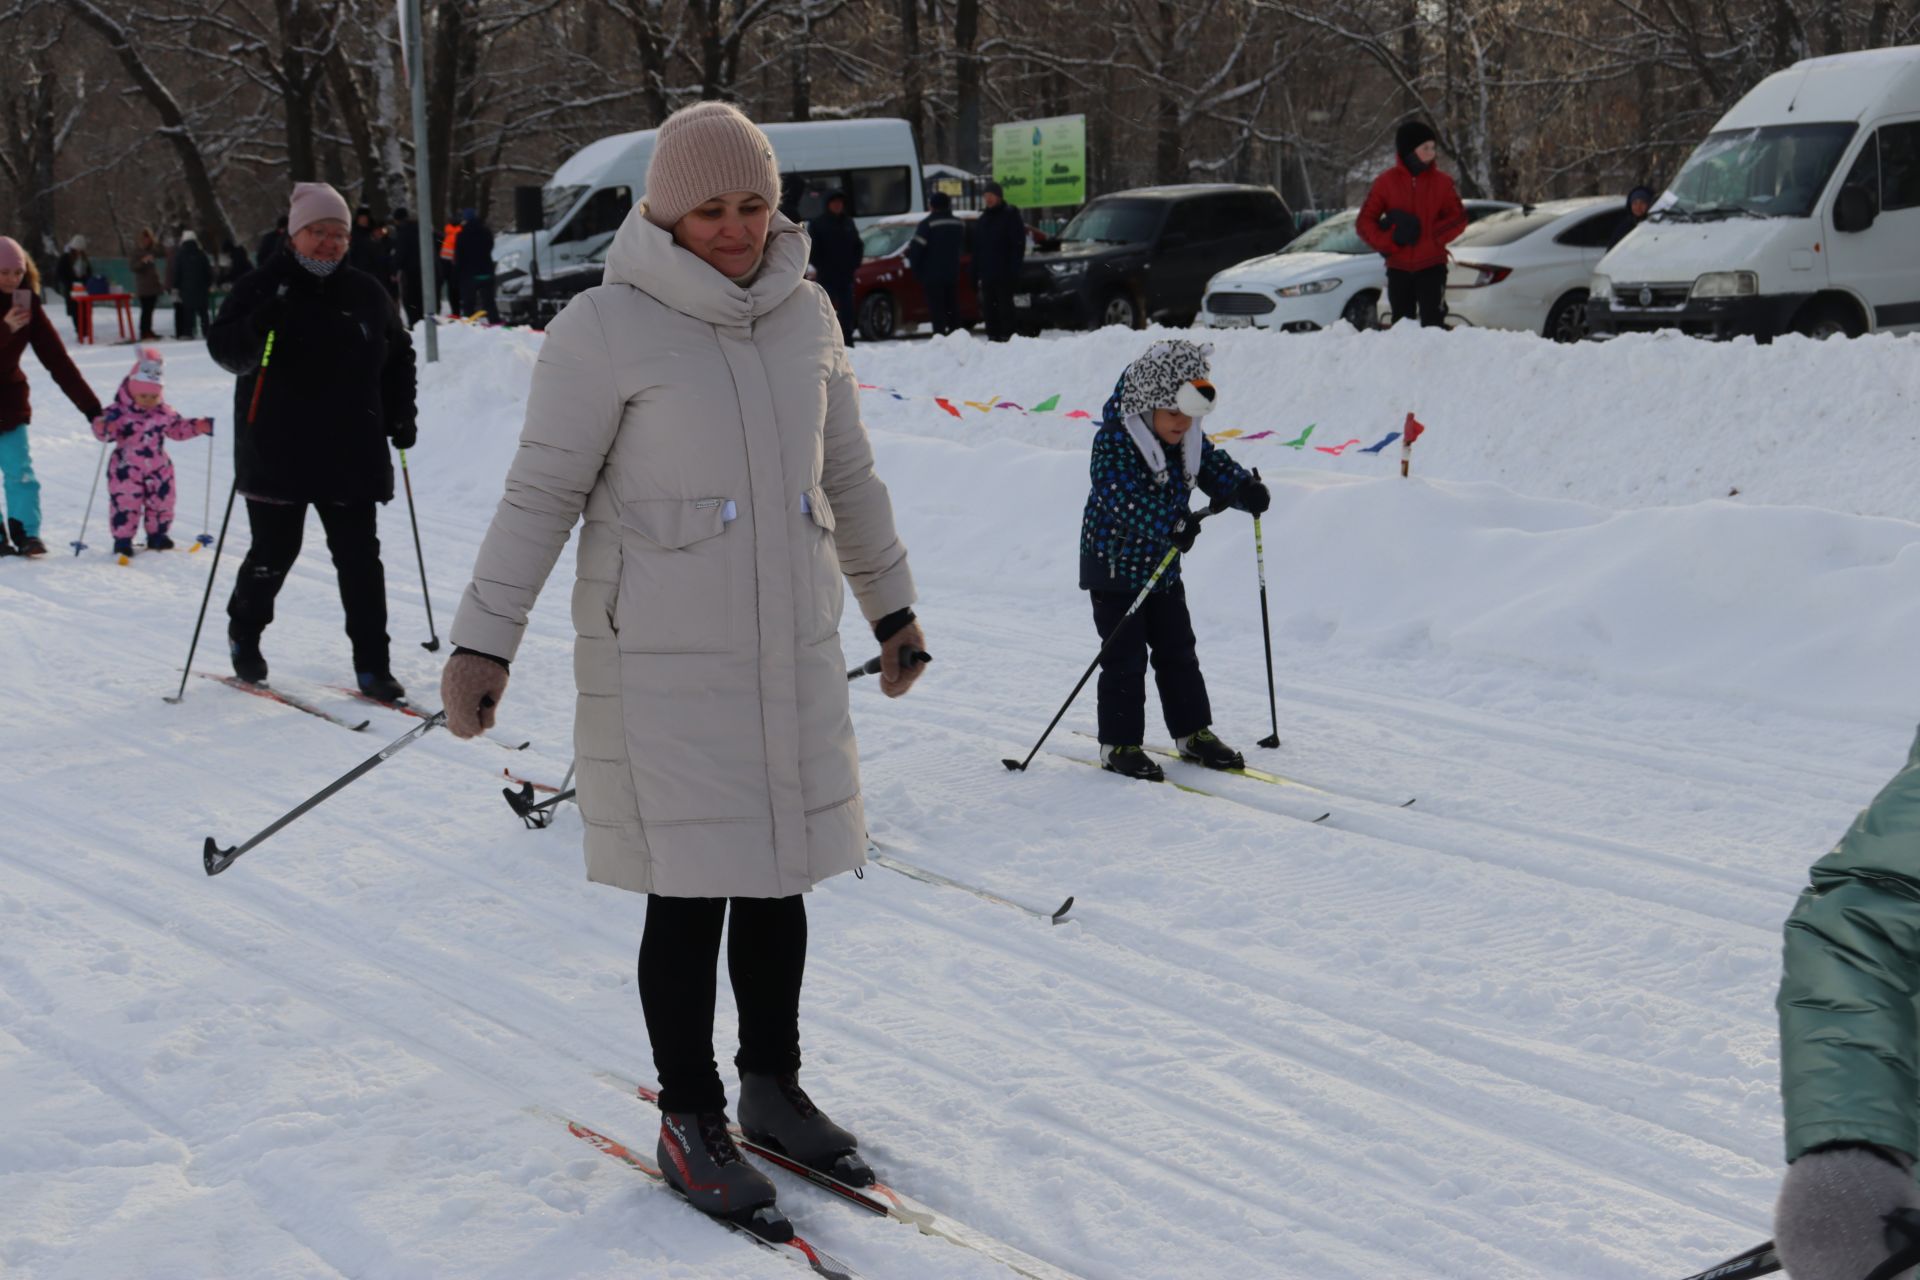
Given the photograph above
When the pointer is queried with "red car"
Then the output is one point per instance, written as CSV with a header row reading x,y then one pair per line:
x,y
886,297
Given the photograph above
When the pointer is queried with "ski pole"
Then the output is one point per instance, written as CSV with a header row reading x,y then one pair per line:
x,y
1761,1260
200,621
216,859
206,512
430,645
536,816
1191,520
871,667
79,544
1272,740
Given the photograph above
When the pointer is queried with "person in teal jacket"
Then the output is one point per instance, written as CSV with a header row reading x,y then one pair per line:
x,y
1850,1049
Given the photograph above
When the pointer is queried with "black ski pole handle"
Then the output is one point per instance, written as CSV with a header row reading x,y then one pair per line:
x,y
871,667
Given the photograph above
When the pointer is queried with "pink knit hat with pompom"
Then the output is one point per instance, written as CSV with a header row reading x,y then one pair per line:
x,y
148,371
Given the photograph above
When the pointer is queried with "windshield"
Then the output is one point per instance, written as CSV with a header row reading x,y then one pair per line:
x,y
887,237
1115,222
1334,235
558,201
1775,172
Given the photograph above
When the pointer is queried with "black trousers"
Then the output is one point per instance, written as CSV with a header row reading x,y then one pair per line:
x,y
353,536
766,958
190,318
840,293
1422,293
1163,627
996,308
146,316
410,298
943,305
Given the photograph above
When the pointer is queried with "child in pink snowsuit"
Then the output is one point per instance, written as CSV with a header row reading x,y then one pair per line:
x,y
140,474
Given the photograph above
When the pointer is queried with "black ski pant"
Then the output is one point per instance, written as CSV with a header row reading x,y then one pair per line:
x,y
1422,293
840,292
679,953
943,304
353,536
190,318
146,316
1162,627
996,307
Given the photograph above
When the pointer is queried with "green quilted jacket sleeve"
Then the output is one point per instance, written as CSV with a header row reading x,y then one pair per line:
x,y
1849,1038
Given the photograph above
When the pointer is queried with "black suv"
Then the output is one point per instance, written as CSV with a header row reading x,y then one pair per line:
x,y
1143,255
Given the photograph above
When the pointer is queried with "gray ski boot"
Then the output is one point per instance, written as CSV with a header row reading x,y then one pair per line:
x,y
697,1155
776,1113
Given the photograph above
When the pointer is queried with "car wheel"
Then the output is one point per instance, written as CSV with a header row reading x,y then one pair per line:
x,y
1363,310
878,317
1567,322
1120,309
1825,320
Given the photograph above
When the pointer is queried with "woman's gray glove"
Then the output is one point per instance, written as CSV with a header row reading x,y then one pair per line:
x,y
471,686
1830,1223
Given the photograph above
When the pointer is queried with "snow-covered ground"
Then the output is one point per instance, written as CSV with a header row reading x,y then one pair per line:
x,y
1523,1028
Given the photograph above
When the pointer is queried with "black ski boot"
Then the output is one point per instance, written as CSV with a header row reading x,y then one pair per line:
x,y
777,1113
1203,748
159,542
249,664
1131,762
6,546
697,1155
381,687
25,544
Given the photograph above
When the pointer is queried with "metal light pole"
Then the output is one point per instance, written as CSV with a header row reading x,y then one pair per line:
x,y
422,175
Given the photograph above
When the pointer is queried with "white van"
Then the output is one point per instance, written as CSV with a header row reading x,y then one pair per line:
x,y
1799,213
873,161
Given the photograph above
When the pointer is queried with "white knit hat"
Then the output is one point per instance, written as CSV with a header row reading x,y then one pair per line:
x,y
315,202
703,151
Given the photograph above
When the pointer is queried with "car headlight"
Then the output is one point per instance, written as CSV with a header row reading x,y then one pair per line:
x,y
1308,289
1600,289
1726,284
1065,270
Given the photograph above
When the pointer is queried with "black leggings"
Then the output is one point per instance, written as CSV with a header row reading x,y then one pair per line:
x,y
766,958
1422,293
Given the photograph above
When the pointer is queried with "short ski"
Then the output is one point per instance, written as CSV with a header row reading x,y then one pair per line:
x,y
814,1259
1258,775
546,787
284,699
408,709
1761,1260
1196,791
880,857
884,1200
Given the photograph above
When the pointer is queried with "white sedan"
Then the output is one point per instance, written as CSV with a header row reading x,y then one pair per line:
x,y
1328,273
1529,268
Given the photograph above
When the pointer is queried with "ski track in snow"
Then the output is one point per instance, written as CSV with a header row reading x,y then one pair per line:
x,y
1521,1028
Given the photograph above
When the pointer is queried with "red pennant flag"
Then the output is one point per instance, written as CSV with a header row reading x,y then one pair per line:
x,y
956,413
1335,449
1412,430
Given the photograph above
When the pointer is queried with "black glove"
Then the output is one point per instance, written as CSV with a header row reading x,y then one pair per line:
x,y
1184,533
403,434
266,317
1406,226
1253,498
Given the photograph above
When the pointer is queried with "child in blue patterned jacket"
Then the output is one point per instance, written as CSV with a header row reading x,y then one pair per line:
x,y
1148,456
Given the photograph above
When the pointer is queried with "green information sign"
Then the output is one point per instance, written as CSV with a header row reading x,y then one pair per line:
x,y
1042,163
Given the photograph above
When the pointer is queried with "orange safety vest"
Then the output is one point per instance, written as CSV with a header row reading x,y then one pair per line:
x,y
446,245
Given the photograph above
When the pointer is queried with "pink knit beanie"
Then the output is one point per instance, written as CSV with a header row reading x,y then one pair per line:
x,y
12,256
703,151
148,371
315,202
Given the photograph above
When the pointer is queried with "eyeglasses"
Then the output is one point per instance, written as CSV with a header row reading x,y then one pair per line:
x,y
324,237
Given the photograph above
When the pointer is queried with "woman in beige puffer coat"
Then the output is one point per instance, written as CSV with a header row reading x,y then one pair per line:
x,y
699,411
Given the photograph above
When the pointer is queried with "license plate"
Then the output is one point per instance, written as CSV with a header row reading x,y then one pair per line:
x,y
1022,299
1233,322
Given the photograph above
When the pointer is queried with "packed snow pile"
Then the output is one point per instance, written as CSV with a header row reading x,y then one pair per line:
x,y
1521,1027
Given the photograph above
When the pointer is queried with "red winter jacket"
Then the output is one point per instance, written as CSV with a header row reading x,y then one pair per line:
x,y
1429,197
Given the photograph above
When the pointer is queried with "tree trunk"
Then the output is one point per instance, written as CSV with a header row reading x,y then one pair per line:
x,y
800,72
911,69
443,86
1169,164
966,83
345,93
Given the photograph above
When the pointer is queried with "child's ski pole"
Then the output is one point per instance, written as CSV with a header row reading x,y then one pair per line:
x,y
206,512
79,544
1189,521
1272,740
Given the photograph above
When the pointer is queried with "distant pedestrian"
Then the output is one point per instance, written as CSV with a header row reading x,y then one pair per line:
x,y
271,243
236,262
999,249
1410,216
72,272
473,264
1639,204
449,284
190,276
406,264
836,256
934,258
25,324
146,279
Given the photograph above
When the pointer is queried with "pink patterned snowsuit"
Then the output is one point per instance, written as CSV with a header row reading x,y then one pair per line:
x,y
140,475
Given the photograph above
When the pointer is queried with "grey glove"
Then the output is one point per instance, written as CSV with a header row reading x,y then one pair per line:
x,y
1830,1222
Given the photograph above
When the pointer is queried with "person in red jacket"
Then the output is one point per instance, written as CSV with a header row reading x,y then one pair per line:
x,y
1411,214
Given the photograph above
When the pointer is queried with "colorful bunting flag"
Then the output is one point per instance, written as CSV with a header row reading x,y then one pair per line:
x,y
1301,441
1391,436
1048,405
1335,449
1079,413
947,406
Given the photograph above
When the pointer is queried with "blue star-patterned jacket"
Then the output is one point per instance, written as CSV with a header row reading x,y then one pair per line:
x,y
1130,516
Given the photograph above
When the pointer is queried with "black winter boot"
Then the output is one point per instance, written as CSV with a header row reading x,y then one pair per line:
x,y
249,663
697,1155
381,687
159,542
1201,747
1131,762
776,1112
23,542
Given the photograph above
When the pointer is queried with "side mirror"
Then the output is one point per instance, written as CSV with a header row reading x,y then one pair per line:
x,y
1854,209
